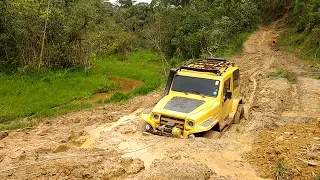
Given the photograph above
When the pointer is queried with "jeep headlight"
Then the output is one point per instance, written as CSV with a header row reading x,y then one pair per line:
x,y
191,123
156,117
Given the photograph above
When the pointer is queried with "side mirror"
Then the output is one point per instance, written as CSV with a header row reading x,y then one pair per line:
x,y
228,94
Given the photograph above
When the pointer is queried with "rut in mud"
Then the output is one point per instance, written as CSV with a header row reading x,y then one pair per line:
x,y
103,143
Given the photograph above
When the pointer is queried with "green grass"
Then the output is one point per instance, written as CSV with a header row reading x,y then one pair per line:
x,y
281,73
304,45
27,98
317,177
282,172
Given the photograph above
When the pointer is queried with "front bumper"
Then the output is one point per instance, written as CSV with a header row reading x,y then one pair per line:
x,y
169,133
174,131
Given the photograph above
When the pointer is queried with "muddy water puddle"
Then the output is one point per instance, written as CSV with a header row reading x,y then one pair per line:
x,y
126,85
134,150
131,148
96,133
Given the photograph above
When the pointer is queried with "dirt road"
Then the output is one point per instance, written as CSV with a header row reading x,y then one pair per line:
x,y
102,143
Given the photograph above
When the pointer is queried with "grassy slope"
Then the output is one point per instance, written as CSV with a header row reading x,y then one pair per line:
x,y
47,94
302,44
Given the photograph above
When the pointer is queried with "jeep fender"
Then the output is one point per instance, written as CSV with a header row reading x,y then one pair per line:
x,y
238,100
146,118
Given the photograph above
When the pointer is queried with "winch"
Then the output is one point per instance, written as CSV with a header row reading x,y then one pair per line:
x,y
168,129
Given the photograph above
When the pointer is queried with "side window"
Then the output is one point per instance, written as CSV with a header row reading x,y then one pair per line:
x,y
236,79
226,86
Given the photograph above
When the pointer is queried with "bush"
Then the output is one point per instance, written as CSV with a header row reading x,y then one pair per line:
x,y
281,73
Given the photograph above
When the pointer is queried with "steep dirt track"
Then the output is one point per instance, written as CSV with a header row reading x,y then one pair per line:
x,y
103,143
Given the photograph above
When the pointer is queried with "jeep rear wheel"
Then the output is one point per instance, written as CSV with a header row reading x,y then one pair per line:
x,y
212,134
239,114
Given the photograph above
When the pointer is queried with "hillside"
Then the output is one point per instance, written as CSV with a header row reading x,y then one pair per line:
x,y
76,75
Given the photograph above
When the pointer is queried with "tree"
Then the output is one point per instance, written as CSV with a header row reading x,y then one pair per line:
x,y
125,3
180,3
68,32
67,41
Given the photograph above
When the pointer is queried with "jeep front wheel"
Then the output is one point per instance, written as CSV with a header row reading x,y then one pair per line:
x,y
141,128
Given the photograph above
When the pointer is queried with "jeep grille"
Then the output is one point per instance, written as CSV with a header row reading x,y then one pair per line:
x,y
178,122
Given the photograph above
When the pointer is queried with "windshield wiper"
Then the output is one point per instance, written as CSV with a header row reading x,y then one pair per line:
x,y
197,92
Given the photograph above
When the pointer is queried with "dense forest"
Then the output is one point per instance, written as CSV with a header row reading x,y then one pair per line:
x,y
67,33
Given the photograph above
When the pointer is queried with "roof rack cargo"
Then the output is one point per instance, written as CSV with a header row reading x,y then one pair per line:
x,y
216,59
214,65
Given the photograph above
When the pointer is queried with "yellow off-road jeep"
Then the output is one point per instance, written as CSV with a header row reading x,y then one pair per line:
x,y
201,99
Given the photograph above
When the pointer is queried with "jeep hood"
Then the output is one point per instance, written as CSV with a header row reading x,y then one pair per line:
x,y
182,105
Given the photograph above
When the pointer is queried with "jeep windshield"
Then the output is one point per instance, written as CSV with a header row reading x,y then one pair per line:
x,y
194,85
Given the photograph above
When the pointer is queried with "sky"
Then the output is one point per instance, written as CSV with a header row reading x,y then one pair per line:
x,y
138,1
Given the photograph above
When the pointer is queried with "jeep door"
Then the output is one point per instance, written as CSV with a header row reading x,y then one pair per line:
x,y
225,101
235,84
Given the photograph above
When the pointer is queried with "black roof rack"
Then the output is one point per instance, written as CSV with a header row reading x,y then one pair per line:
x,y
214,65
216,59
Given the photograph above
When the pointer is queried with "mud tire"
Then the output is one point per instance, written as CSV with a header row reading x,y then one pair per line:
x,y
212,134
141,126
239,114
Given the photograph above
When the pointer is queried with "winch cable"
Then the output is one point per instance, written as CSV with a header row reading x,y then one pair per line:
x,y
146,151
136,150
